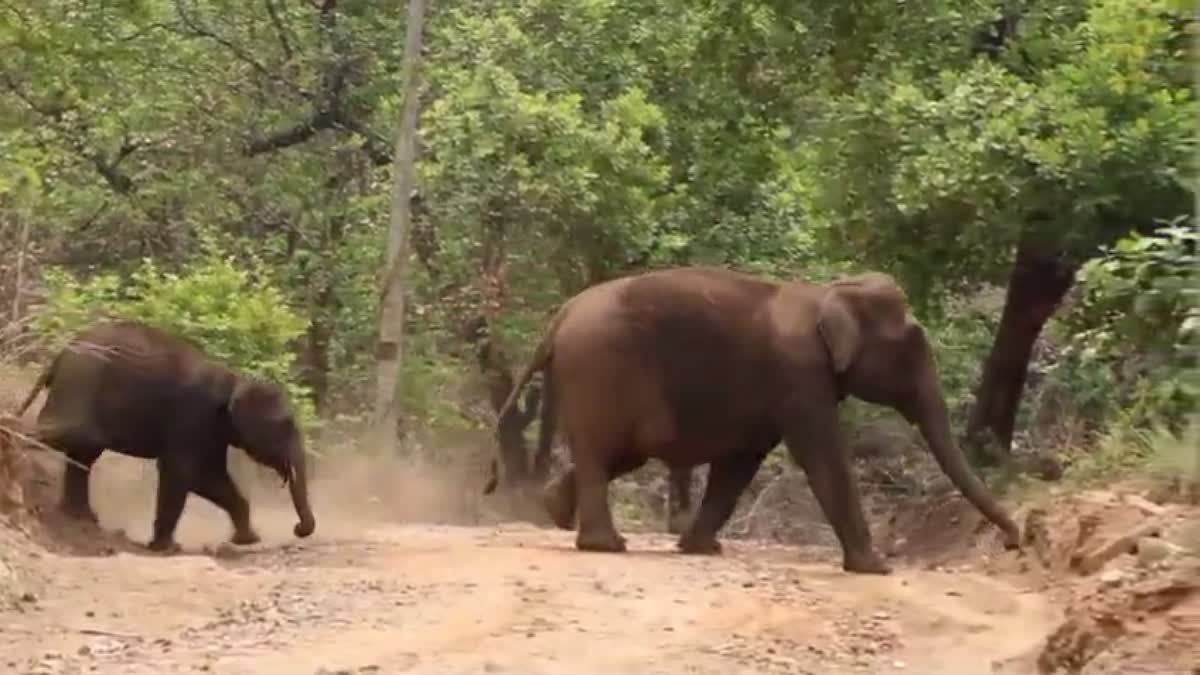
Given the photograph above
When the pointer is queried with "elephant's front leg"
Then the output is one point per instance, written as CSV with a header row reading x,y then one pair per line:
x,y
173,483
816,444
727,479
216,485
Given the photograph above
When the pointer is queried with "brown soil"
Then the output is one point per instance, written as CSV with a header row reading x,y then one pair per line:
x,y
406,574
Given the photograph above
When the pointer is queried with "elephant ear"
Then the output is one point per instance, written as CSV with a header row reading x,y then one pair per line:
x,y
252,406
839,329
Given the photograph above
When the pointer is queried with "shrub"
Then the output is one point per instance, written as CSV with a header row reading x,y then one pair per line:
x,y
1132,335
235,316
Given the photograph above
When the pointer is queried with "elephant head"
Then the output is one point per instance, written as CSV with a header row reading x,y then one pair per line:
x,y
263,426
880,354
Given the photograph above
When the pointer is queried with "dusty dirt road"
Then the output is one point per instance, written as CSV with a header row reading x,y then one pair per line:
x,y
507,599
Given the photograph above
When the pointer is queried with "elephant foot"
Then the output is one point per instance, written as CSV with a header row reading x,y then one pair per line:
x,y
603,542
699,545
167,546
245,538
866,563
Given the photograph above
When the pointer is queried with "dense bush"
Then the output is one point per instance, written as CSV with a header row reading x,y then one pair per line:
x,y
1132,335
235,316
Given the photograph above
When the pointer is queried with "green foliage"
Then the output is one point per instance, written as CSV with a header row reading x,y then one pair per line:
x,y
1135,328
961,336
1172,456
563,143
235,317
933,174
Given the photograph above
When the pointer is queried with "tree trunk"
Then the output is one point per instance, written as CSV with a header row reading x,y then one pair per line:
x,y
498,379
314,355
388,350
1037,284
315,362
19,280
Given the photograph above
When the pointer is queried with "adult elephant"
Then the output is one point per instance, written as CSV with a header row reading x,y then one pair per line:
x,y
133,388
702,365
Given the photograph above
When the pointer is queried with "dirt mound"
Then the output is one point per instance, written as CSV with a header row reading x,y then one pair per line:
x,y
1135,621
14,467
1127,571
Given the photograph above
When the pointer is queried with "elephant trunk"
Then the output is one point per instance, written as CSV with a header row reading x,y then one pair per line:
x,y
298,486
933,420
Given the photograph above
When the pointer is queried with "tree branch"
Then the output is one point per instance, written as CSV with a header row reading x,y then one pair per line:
x,y
200,30
374,145
280,31
293,135
55,112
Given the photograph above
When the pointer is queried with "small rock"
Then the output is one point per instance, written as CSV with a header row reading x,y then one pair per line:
x,y
898,665
1151,550
1112,577
1146,506
1092,560
28,597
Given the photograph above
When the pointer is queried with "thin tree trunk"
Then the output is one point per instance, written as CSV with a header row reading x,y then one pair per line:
x,y
1037,284
314,355
389,348
22,244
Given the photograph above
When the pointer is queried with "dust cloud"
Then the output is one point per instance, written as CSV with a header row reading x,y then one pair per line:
x,y
350,492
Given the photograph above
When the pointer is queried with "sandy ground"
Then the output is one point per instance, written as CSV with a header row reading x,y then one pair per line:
x,y
382,587
510,599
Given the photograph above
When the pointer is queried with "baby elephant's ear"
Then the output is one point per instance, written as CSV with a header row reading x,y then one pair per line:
x,y
839,329
252,405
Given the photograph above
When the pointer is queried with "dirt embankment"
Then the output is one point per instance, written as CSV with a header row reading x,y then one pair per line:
x,y
1104,585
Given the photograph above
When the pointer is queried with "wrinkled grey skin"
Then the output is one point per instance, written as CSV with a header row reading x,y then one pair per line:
x,y
135,389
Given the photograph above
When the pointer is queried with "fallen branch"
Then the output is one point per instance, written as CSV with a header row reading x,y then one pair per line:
x,y
107,633
31,442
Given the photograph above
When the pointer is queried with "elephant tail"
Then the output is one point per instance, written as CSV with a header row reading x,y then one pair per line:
x,y
540,360
45,378
549,424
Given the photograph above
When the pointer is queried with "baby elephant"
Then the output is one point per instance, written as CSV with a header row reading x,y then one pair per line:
x,y
132,388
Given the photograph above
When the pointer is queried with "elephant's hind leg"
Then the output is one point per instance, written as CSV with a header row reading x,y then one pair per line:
x,y
679,499
597,532
216,485
76,497
173,485
727,479
560,498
